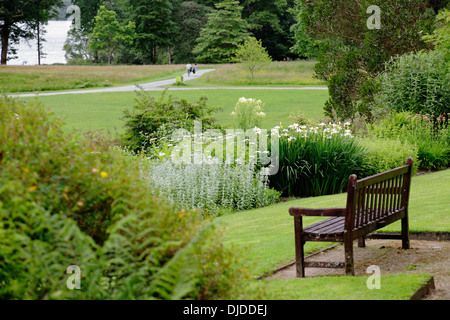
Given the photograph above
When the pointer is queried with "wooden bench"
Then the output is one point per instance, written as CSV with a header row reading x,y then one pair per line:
x,y
372,203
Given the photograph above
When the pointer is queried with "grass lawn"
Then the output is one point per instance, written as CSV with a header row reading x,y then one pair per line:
x,y
393,287
268,233
93,111
294,73
51,78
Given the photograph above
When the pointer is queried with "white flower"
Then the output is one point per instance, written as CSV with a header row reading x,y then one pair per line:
x,y
257,130
161,154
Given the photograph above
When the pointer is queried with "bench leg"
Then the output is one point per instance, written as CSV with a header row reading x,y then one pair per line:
x,y
405,233
349,264
362,242
299,253
300,262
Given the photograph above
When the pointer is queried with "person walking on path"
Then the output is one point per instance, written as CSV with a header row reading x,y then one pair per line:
x,y
188,69
194,71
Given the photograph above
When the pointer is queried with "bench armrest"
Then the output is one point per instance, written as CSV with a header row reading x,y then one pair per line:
x,y
329,212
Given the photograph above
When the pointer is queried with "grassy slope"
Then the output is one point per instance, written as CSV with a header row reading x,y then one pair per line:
x,y
50,78
298,73
268,232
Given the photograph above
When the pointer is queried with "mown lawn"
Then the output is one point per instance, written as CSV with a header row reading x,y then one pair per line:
x,y
92,111
393,287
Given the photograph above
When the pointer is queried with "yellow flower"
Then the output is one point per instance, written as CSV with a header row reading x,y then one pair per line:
x,y
103,174
32,188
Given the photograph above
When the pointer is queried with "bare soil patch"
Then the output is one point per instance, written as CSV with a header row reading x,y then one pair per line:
x,y
432,257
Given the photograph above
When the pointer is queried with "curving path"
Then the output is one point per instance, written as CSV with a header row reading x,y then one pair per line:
x,y
158,85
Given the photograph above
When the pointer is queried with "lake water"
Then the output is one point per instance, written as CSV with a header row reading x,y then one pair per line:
x,y
53,46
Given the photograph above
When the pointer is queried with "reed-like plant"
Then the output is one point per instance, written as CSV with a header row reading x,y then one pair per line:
x,y
315,160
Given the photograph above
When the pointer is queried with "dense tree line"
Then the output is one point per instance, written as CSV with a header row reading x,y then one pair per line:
x,y
165,31
176,31
209,31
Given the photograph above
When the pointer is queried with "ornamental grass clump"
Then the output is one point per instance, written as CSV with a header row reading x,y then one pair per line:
x,y
315,160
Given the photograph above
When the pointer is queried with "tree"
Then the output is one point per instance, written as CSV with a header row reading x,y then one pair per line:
x,y
270,21
304,46
108,34
358,54
76,46
191,18
252,55
88,9
18,20
224,31
441,36
155,26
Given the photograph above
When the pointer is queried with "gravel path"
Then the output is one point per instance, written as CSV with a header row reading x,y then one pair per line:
x,y
158,86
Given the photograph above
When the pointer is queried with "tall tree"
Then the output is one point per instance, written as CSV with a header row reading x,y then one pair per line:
x,y
155,26
224,31
191,18
270,21
358,53
88,9
108,34
18,20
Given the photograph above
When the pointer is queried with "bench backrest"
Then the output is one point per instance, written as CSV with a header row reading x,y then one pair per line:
x,y
374,198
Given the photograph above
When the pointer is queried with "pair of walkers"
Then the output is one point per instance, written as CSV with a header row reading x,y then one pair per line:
x,y
190,69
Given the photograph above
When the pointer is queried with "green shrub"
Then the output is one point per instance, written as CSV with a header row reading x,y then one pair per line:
x,y
416,83
431,136
63,203
315,161
150,120
383,154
